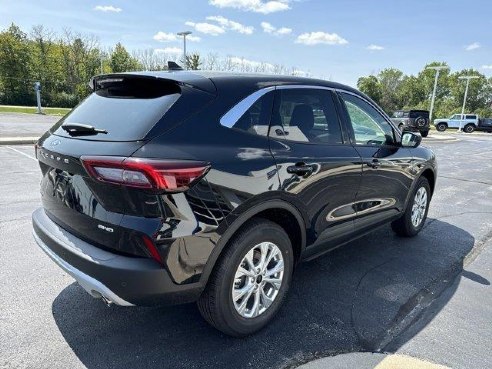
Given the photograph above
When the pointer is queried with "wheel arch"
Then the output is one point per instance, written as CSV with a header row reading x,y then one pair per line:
x,y
431,178
281,212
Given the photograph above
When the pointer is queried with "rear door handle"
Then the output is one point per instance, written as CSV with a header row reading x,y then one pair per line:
x,y
374,163
300,169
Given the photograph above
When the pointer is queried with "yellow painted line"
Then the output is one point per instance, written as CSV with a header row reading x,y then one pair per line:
x,y
406,362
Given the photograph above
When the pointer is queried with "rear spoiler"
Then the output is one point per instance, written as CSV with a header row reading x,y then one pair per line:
x,y
178,77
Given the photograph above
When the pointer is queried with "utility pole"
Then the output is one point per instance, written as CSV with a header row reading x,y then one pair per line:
x,y
467,78
37,88
184,34
438,70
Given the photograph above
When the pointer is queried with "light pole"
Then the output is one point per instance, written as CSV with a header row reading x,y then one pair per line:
x,y
438,70
467,78
184,34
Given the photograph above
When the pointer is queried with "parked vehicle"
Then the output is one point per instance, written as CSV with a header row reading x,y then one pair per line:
x,y
173,187
468,122
412,120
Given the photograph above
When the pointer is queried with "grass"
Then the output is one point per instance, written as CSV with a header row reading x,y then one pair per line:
x,y
32,110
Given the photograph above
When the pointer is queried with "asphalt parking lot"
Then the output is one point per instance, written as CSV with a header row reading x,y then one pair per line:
x,y
357,298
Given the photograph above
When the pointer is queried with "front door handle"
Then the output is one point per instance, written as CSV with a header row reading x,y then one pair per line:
x,y
374,163
300,169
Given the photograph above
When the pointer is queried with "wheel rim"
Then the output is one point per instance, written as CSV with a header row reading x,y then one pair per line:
x,y
258,280
419,206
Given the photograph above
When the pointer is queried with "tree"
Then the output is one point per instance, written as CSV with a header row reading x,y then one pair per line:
x,y
122,61
371,87
15,67
193,61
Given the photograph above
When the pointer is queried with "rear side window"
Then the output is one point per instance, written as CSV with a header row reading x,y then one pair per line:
x,y
471,117
127,108
256,118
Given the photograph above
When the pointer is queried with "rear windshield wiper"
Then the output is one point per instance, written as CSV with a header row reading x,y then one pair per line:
x,y
78,129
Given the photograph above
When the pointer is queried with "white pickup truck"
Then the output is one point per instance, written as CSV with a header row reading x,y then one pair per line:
x,y
467,122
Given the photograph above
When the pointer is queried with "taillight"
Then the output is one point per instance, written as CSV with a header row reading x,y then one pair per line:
x,y
164,175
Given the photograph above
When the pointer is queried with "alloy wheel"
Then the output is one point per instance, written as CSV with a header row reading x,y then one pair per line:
x,y
419,206
258,280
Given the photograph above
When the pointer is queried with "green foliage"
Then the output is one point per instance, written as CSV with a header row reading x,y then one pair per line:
x,y
371,86
15,67
394,91
122,61
193,61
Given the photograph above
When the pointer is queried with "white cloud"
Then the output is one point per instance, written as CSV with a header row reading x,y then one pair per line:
x,y
232,25
487,66
472,46
165,37
315,38
193,38
107,8
207,28
170,37
373,47
169,50
257,6
284,31
268,28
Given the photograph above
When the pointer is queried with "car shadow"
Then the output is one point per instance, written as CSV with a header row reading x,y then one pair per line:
x,y
345,301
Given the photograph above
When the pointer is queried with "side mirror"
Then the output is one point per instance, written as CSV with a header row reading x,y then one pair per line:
x,y
410,139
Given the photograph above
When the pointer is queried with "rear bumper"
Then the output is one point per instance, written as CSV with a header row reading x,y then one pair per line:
x,y
122,280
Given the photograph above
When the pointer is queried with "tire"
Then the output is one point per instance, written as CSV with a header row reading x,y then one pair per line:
x,y
405,226
441,127
424,133
216,304
469,128
400,127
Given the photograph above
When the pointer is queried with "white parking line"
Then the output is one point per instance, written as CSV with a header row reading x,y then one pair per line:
x,y
22,153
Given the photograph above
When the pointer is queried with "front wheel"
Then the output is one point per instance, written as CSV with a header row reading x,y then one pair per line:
x,y
413,219
424,133
250,280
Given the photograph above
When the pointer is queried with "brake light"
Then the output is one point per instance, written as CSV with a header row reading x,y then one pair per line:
x,y
164,175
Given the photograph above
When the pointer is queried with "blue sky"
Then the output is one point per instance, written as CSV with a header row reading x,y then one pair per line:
x,y
330,39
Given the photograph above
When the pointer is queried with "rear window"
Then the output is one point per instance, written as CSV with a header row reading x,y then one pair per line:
x,y
400,114
419,113
127,108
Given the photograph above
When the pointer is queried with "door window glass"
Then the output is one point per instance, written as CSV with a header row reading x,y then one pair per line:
x,y
369,126
305,115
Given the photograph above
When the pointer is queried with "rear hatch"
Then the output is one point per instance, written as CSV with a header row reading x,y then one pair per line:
x,y
420,118
90,185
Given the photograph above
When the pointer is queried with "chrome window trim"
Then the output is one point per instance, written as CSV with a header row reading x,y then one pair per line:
x,y
233,114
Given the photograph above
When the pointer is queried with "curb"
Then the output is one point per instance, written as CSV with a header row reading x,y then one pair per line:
x,y
18,140
365,360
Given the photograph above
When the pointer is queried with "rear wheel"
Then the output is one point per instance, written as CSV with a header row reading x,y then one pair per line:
x,y
400,127
250,280
441,127
413,219
424,133
469,128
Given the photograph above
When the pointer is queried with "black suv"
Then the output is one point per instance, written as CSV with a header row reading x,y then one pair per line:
x,y
173,187
412,120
